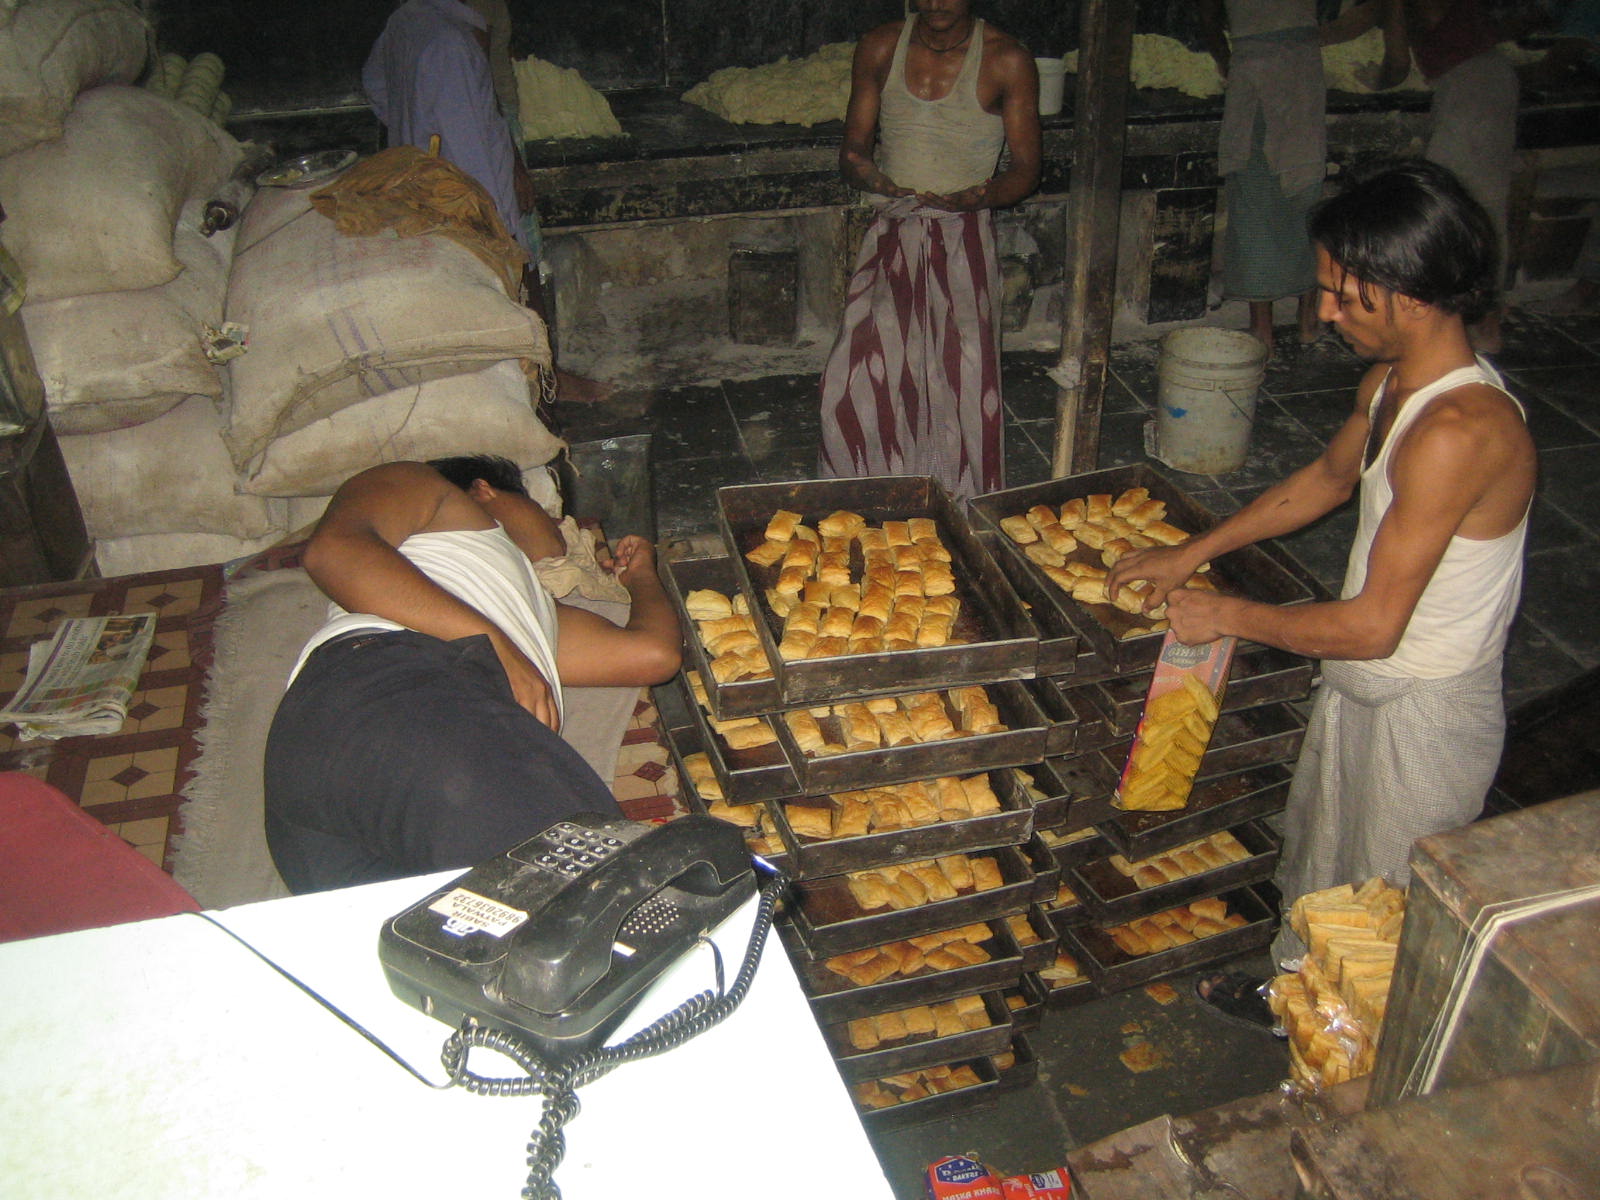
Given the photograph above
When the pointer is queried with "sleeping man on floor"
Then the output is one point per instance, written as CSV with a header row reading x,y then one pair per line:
x,y
421,728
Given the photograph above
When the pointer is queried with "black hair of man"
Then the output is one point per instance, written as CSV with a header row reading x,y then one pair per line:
x,y
1410,226
501,474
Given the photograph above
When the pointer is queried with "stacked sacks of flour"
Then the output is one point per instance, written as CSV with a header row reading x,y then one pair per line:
x,y
1333,1005
104,185
360,351
368,349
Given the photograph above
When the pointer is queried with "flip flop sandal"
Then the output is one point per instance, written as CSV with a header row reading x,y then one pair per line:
x,y
1236,997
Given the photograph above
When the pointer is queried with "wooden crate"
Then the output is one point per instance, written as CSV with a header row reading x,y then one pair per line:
x,y
1534,1002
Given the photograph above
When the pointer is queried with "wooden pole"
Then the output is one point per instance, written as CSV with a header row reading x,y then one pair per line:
x,y
1105,52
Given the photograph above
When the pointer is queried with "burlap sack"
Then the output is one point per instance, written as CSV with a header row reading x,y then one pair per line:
x,y
95,210
335,321
166,551
50,50
114,359
169,475
483,411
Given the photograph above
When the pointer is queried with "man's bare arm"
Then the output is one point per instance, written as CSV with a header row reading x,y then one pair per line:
x,y
868,69
592,652
1440,475
353,557
1293,503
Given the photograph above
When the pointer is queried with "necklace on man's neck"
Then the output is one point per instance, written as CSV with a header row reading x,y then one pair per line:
x,y
920,39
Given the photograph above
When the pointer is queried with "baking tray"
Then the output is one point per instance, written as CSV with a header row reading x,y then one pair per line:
x,y
763,773
1249,571
1050,807
910,1055
1249,738
1112,898
828,920
1001,640
1046,871
933,1108
1114,971
1061,718
1030,1013
1216,803
1042,951
1018,745
1259,675
1067,995
1070,855
1089,781
1024,1069
740,698
835,998
1010,825
693,802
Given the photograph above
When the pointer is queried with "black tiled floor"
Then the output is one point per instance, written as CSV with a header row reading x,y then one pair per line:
x,y
766,429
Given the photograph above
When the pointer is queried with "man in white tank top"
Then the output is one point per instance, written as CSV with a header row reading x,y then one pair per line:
x,y
420,731
1409,722
912,386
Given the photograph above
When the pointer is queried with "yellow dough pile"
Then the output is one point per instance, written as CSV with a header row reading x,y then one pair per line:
x,y
555,102
802,91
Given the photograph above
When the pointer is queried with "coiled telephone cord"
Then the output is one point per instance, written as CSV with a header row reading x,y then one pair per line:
x,y
558,1082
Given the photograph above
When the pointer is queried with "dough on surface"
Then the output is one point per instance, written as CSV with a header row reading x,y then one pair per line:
x,y
555,102
803,91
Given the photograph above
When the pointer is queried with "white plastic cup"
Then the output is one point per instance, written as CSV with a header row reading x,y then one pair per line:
x,y
1052,84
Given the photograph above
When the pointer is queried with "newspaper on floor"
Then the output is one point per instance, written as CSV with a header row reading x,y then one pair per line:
x,y
80,681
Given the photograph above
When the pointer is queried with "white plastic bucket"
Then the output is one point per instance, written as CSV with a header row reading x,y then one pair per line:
x,y
1206,399
1052,83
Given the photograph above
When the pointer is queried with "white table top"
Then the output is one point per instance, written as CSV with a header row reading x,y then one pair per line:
x,y
162,1058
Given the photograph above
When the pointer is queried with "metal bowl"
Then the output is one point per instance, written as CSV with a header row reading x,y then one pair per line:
x,y
306,171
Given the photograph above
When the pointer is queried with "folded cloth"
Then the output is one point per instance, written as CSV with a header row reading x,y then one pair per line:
x,y
579,570
413,192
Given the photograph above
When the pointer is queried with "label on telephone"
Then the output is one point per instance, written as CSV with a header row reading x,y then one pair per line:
x,y
467,912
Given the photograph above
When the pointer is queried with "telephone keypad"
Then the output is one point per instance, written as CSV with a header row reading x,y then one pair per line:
x,y
573,850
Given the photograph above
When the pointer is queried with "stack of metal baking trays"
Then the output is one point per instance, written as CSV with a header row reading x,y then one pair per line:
x,y
1093,675
774,790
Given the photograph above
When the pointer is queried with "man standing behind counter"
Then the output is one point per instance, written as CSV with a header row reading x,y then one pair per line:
x,y
912,386
1409,723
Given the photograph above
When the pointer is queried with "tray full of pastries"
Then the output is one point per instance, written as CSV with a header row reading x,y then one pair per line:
x,y
1180,938
839,913
909,1098
884,739
702,792
921,1035
930,967
869,827
745,754
1065,534
866,586
1258,675
1215,802
722,644
1116,888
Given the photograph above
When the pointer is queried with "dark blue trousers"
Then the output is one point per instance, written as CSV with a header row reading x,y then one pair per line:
x,y
396,754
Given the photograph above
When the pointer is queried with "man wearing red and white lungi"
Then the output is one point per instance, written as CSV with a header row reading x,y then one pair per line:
x,y
912,386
